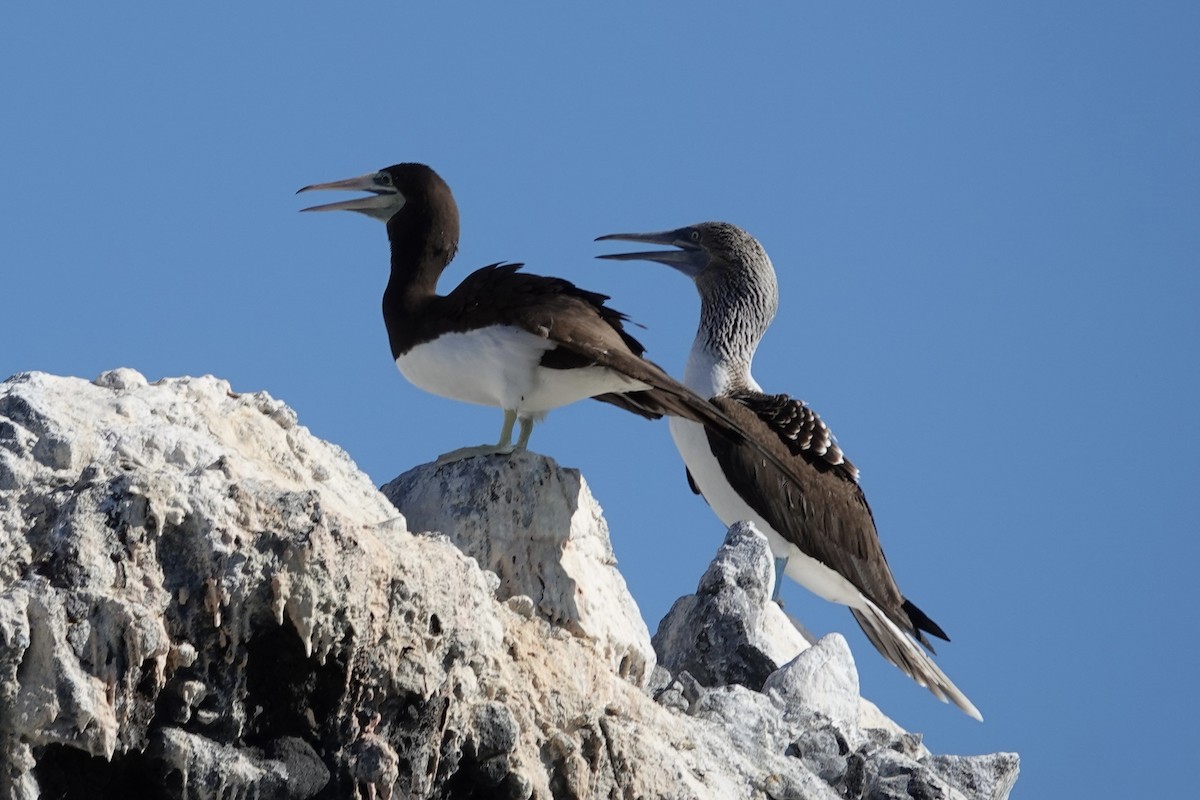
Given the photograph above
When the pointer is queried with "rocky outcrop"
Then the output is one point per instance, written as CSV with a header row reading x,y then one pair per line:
x,y
737,662
200,599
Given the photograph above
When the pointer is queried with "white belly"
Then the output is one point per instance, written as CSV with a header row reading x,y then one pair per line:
x,y
692,442
498,366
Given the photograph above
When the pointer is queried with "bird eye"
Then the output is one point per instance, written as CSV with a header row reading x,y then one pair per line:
x,y
695,235
383,179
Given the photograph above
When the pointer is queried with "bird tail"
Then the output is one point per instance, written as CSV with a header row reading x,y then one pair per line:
x,y
665,396
640,403
922,624
674,400
900,649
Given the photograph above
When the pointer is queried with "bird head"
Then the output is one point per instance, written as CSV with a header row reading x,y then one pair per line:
x,y
413,201
390,190
732,273
708,252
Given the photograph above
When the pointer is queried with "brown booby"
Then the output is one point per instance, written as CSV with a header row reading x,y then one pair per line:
x,y
504,338
815,513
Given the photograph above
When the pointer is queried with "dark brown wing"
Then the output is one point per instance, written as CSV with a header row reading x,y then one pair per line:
x,y
817,504
500,294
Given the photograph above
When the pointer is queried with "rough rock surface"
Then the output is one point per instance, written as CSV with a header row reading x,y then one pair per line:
x,y
722,641
544,536
728,632
200,599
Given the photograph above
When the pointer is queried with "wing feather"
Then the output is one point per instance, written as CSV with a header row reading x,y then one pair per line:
x,y
817,505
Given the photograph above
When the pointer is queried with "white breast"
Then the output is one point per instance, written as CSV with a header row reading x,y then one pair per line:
x,y
498,366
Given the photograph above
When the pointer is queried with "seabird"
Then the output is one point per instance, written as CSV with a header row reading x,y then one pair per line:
x,y
815,515
504,338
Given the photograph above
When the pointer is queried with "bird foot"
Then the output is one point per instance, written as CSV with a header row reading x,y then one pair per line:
x,y
471,452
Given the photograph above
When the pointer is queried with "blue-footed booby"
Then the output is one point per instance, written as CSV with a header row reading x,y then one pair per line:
x,y
814,513
504,338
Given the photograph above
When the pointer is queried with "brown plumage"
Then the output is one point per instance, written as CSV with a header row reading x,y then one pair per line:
x,y
825,514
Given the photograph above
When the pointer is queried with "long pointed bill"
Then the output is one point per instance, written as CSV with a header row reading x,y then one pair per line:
x,y
690,259
382,203
372,205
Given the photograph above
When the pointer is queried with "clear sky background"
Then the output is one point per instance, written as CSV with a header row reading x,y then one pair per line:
x,y
986,224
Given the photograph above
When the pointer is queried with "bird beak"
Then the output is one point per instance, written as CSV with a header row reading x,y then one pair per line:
x,y
382,203
690,258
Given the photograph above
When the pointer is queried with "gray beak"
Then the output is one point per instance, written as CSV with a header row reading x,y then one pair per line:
x,y
383,202
690,258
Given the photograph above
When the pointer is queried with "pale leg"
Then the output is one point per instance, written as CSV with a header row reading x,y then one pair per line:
x,y
502,447
780,567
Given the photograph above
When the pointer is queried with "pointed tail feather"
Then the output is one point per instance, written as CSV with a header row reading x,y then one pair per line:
x,y
922,624
668,397
679,401
640,403
900,649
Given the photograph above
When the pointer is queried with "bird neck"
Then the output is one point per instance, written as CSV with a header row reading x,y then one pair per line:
x,y
734,315
422,245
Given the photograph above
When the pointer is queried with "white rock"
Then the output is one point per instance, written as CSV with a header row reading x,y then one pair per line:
x,y
821,680
989,777
545,537
781,636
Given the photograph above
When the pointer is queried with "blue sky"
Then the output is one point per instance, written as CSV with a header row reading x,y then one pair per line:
x,y
985,223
